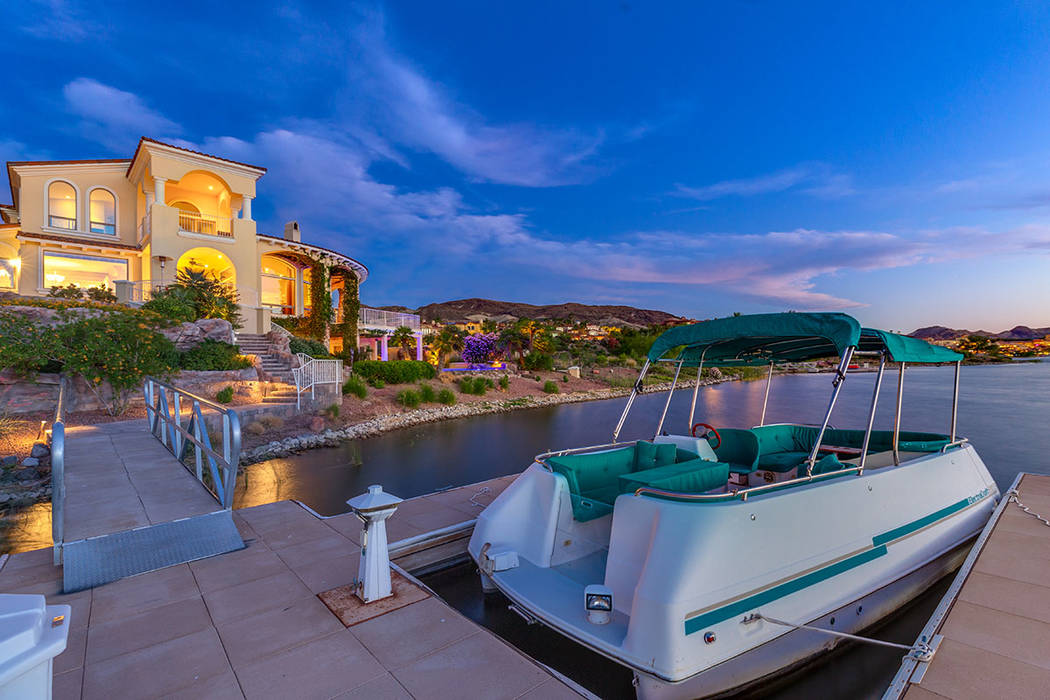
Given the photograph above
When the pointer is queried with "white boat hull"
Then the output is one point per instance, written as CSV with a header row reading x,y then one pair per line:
x,y
684,575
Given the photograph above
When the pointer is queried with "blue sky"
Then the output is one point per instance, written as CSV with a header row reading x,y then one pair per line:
x,y
890,160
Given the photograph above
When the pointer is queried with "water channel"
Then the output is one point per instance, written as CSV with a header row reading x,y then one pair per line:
x,y
1003,410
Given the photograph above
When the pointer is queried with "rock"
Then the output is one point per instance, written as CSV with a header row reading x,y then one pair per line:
x,y
30,462
40,450
216,329
27,474
186,335
8,461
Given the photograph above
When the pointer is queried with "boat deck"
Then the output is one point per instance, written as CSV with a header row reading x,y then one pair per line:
x,y
995,619
250,623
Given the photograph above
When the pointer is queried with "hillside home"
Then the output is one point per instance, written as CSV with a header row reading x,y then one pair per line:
x,y
131,224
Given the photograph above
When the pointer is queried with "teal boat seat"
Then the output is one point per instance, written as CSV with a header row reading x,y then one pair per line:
x,y
694,476
782,447
593,477
739,449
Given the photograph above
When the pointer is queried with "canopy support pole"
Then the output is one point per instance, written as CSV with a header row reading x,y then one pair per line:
x,y
630,400
696,390
765,401
840,376
897,416
871,415
667,405
955,400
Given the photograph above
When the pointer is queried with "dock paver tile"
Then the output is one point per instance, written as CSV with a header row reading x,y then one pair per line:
x,y
553,689
384,687
247,533
330,545
233,568
1010,559
157,670
322,668
962,671
409,633
477,666
73,657
1013,520
322,575
28,575
161,624
221,687
1037,545
137,594
273,512
1034,485
278,534
27,560
250,638
66,686
349,526
397,530
79,602
1016,637
1008,595
916,692
256,596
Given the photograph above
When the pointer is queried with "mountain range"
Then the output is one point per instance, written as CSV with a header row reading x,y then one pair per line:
x,y
945,333
508,311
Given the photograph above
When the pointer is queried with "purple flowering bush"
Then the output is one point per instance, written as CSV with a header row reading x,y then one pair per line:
x,y
479,349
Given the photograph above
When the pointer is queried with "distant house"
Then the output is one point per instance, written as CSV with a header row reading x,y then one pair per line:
x,y
470,327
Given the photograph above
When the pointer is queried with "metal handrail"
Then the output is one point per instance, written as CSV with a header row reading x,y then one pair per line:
x,y
57,444
954,443
313,371
380,319
742,493
193,222
164,416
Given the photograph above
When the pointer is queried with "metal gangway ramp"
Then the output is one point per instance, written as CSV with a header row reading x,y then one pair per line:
x,y
124,504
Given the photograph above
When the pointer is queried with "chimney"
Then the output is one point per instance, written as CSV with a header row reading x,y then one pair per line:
x,y
291,231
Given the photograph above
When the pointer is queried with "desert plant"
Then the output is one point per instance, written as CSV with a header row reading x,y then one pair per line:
x,y
538,361
565,379
395,371
446,397
224,395
332,412
175,303
476,386
403,339
211,297
355,386
426,393
504,382
408,398
272,422
448,341
214,355
550,387
70,291
102,294
255,428
377,383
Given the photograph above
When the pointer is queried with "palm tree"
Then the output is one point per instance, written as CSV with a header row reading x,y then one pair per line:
x,y
448,341
512,341
403,339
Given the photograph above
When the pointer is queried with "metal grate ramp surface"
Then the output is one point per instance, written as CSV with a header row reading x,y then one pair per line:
x,y
106,558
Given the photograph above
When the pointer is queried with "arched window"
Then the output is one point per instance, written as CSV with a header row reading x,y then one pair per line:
x,y
102,213
62,206
278,285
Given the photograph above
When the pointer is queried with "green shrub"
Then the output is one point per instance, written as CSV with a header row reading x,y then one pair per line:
x,y
214,355
313,348
70,291
175,303
550,387
255,428
446,397
395,371
332,411
377,383
102,294
355,386
476,386
408,398
538,360
565,378
504,382
225,395
426,393
272,422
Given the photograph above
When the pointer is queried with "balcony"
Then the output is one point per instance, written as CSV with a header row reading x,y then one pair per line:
x,y
379,320
192,222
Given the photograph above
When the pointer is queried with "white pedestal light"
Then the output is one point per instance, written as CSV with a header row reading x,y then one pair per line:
x,y
373,573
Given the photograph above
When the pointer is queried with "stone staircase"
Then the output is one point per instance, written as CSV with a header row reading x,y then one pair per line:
x,y
279,369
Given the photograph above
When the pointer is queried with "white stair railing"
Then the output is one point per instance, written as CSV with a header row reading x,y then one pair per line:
x,y
313,371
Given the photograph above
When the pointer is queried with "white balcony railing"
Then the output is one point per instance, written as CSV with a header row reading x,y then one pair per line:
x,y
379,320
192,222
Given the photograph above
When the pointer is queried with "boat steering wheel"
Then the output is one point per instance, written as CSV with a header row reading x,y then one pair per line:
x,y
707,434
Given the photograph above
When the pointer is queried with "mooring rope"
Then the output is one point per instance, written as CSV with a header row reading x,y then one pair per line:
x,y
920,651
1015,496
481,492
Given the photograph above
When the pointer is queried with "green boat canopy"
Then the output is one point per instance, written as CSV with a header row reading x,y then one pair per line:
x,y
759,339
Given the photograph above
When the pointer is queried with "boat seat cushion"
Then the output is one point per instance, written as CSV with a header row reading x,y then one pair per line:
x,y
694,476
648,455
739,448
782,461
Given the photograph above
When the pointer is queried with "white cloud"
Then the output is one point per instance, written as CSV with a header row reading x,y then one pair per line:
x,y
815,179
113,117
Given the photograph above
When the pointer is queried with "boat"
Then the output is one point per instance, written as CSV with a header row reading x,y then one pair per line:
x,y
712,560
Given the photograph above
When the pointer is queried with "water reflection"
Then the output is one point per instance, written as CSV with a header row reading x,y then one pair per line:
x,y
29,528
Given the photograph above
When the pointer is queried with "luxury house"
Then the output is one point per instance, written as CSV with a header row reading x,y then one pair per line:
x,y
131,224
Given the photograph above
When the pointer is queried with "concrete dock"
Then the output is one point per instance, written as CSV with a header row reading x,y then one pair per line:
x,y
995,618
250,624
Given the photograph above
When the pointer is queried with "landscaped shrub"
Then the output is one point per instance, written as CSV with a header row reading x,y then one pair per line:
x,y
377,383
272,422
408,398
207,294
480,348
550,387
426,393
538,360
395,371
313,348
446,397
565,379
102,294
214,355
504,382
225,395
476,386
70,291
255,428
332,411
355,386
175,303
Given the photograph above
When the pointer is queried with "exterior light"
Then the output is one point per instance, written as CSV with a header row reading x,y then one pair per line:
x,y
598,601
211,187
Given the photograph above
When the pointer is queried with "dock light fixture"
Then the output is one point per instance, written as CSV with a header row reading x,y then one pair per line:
x,y
597,599
373,572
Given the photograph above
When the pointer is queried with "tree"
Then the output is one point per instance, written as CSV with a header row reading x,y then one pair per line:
x,y
200,291
512,341
403,339
446,342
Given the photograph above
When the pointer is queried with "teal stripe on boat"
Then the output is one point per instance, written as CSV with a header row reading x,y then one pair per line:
x,y
914,525
741,606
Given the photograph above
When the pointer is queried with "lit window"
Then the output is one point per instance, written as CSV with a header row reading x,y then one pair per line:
x,y
278,285
7,274
308,299
84,271
62,206
103,212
